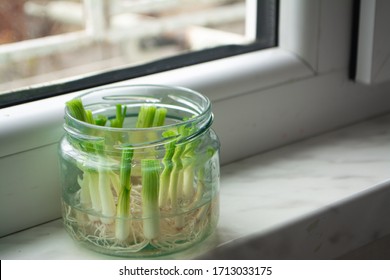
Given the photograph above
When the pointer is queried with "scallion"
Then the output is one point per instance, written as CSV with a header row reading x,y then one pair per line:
x,y
168,166
123,225
120,116
150,208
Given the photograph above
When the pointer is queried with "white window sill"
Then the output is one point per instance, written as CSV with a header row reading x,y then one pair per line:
x,y
319,198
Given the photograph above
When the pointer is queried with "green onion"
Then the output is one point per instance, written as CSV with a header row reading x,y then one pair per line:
x,y
101,196
151,116
150,187
76,109
95,197
89,117
159,117
120,116
189,159
86,196
101,120
176,178
175,184
122,226
106,195
89,193
168,166
146,116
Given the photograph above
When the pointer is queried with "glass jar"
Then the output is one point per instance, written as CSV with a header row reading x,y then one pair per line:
x,y
141,179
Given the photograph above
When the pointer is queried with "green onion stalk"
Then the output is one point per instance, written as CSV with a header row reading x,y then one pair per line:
x,y
96,183
150,188
176,186
89,195
169,135
108,209
86,200
120,116
189,160
148,116
123,225
177,178
106,195
85,196
176,183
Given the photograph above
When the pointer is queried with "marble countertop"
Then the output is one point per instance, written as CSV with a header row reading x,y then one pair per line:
x,y
318,198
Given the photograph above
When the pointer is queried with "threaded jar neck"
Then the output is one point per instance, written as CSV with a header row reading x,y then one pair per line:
x,y
184,107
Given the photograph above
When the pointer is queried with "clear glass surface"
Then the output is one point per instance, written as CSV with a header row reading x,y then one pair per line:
x,y
141,192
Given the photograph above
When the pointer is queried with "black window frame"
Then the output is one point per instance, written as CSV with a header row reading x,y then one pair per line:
x,y
267,20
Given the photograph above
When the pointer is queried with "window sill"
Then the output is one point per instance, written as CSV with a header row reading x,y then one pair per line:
x,y
315,199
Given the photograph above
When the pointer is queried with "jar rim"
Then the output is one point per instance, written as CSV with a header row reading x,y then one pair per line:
x,y
186,108
205,114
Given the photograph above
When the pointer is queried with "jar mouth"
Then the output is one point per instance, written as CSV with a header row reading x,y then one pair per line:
x,y
185,107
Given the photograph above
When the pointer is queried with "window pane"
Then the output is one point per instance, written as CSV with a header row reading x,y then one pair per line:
x,y
43,41
24,20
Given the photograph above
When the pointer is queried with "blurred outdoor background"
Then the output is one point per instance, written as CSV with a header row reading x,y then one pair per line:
x,y
46,40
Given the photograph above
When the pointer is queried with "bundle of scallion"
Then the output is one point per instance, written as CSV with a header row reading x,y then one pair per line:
x,y
170,184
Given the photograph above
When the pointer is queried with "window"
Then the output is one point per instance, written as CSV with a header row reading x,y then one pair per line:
x,y
77,44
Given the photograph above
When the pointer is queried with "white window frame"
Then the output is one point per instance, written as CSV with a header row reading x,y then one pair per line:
x,y
261,100
373,50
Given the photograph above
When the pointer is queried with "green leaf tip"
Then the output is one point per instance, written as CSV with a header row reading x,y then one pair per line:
x,y
76,109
